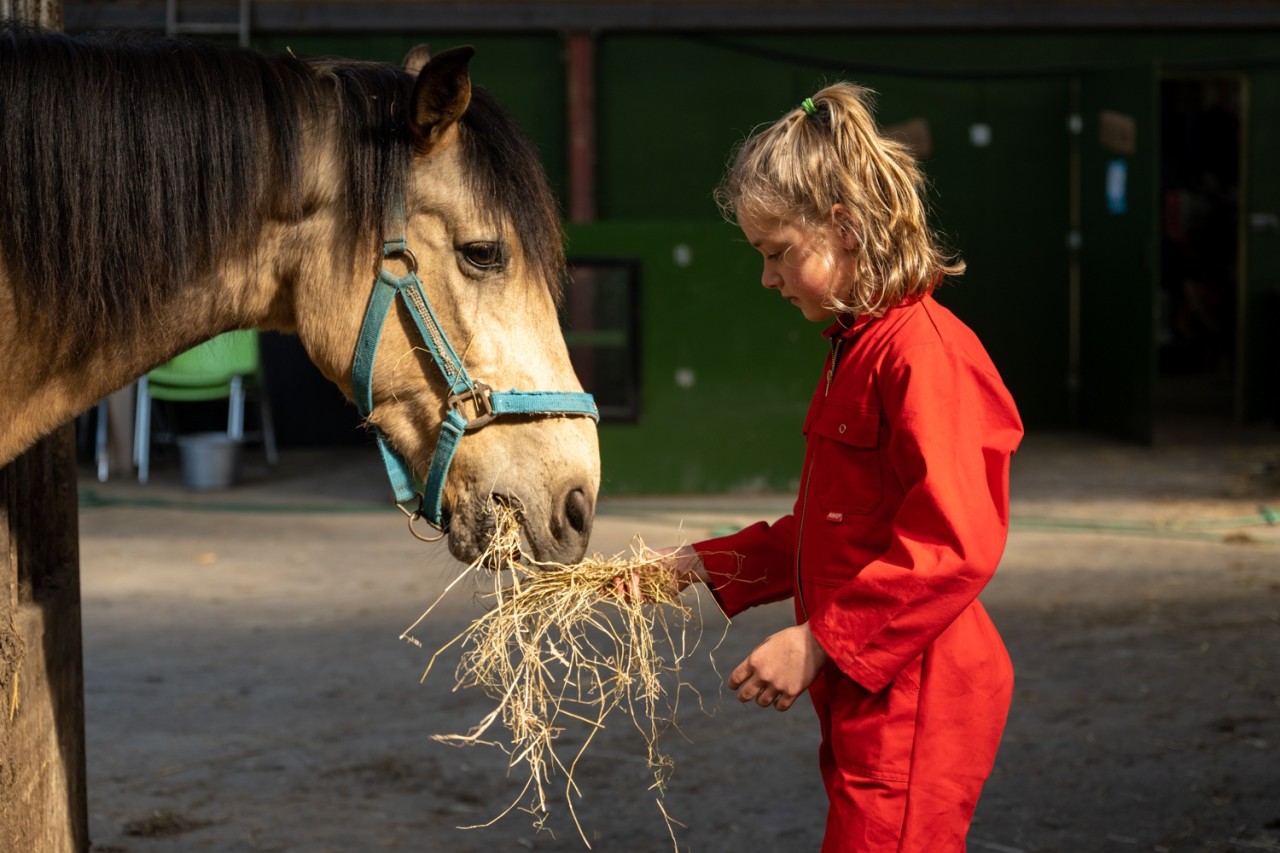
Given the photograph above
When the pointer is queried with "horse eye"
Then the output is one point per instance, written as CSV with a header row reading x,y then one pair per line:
x,y
483,255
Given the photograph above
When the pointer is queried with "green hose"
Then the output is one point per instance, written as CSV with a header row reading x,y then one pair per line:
x,y
1264,516
1204,529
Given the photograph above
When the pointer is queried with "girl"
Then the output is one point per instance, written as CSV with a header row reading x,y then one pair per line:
x,y
903,505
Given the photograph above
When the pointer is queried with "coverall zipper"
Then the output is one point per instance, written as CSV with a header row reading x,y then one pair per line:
x,y
804,501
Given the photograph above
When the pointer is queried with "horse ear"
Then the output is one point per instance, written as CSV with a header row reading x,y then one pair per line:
x,y
417,58
440,96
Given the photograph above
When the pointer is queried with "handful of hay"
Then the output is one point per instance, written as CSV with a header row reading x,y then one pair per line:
x,y
561,645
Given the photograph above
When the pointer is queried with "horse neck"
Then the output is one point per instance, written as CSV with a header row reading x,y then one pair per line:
x,y
54,373
312,279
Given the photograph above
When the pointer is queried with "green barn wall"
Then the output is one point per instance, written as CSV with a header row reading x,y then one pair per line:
x,y
753,361
1003,207
671,107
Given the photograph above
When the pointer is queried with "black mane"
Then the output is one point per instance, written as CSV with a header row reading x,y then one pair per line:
x,y
132,164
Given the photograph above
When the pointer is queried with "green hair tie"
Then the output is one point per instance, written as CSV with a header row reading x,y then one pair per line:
x,y
808,106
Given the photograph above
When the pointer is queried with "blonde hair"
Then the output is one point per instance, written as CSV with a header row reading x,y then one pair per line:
x,y
804,164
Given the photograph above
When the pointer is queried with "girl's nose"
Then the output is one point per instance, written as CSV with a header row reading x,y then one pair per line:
x,y
770,279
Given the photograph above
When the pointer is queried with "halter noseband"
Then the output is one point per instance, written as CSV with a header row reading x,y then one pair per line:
x,y
488,404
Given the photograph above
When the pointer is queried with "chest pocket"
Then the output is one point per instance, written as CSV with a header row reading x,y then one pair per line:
x,y
846,463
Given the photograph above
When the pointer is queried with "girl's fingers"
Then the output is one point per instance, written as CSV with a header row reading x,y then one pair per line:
x,y
751,688
628,589
739,676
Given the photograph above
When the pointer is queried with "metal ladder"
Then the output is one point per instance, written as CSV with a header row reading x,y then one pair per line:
x,y
238,28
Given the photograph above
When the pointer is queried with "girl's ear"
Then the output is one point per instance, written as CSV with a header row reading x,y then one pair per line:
x,y
842,221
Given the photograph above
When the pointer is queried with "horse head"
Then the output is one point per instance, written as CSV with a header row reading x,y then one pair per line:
x,y
481,230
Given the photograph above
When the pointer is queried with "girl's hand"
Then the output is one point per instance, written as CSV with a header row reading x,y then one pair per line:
x,y
780,668
681,561
684,564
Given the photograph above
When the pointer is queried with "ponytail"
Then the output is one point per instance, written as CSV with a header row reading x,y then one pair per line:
x,y
827,152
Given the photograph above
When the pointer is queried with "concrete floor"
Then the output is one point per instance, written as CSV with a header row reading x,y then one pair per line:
x,y
246,689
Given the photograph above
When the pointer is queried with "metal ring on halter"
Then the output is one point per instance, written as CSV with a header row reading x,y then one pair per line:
x,y
406,254
416,514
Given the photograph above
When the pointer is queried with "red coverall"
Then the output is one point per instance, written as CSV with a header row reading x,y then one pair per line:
x,y
901,519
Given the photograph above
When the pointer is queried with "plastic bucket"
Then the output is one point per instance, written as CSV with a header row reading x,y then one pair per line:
x,y
208,460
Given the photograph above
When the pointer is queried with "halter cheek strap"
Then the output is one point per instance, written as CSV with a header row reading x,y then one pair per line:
x,y
487,403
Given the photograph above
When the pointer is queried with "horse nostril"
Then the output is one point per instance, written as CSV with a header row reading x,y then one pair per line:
x,y
577,510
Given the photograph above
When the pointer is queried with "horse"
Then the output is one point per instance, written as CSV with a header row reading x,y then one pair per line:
x,y
157,192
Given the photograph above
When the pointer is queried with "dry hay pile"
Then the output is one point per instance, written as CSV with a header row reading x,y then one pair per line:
x,y
563,646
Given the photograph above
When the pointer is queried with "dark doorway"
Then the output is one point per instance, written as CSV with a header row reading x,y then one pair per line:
x,y
1198,332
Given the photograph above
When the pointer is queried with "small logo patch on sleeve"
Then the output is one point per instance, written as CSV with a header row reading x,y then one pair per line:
x,y
835,517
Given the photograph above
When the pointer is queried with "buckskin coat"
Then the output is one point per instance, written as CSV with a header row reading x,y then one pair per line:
x,y
900,521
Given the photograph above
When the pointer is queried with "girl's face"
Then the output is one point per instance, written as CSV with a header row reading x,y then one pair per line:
x,y
801,265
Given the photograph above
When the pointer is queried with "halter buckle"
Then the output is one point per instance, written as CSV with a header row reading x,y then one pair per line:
x,y
479,397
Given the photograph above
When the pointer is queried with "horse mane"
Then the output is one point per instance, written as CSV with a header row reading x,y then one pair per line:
x,y
506,173
133,164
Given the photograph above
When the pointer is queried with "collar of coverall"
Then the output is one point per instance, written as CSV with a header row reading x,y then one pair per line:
x,y
848,325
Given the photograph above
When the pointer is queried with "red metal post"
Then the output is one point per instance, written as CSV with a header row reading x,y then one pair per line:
x,y
580,53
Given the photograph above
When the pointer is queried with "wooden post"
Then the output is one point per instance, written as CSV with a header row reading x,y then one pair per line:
x,y
43,803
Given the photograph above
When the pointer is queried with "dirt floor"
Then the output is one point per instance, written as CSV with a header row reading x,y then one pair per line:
x,y
246,689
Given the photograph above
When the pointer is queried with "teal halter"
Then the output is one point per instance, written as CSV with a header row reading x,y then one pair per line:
x,y
489,404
